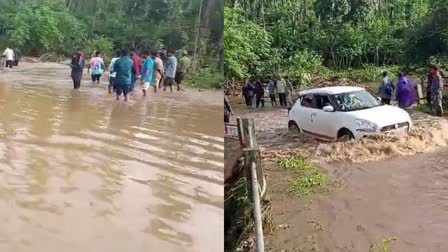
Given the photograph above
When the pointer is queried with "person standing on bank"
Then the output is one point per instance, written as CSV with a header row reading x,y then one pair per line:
x,y
182,69
289,91
123,68
9,55
259,94
272,89
386,89
171,66
17,56
436,91
77,66
281,89
405,91
428,87
248,94
228,112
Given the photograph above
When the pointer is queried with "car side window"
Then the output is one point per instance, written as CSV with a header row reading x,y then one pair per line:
x,y
307,101
322,101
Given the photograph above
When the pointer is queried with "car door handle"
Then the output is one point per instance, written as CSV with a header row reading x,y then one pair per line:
x,y
313,114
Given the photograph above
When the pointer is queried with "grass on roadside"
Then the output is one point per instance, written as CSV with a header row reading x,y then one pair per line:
x,y
237,215
383,246
205,78
425,108
308,179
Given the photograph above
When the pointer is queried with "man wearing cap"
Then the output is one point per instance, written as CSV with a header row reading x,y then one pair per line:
x,y
182,69
159,71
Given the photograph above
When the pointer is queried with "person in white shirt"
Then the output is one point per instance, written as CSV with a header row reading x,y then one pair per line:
x,y
112,73
9,55
281,90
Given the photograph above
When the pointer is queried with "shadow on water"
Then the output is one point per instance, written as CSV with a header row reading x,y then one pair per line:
x,y
82,172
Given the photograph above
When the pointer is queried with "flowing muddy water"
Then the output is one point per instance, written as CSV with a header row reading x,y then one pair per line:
x,y
82,172
405,198
394,186
429,134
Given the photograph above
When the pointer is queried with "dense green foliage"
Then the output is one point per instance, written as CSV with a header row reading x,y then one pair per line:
x,y
304,36
61,26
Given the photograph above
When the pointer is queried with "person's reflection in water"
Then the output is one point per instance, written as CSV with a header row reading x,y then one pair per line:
x,y
118,116
172,208
74,103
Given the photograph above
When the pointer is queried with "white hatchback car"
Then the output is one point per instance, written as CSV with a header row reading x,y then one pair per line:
x,y
333,113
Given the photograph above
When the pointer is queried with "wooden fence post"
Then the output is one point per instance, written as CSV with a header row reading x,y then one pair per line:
x,y
420,92
240,131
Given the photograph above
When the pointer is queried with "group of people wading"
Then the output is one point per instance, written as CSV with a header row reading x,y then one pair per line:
x,y
151,68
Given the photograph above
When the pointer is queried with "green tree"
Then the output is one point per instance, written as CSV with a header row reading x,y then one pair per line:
x,y
245,45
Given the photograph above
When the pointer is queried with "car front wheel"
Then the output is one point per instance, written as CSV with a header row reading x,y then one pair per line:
x,y
345,135
293,127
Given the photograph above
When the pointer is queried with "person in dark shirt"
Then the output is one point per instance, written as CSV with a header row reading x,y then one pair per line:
x,y
227,108
248,93
259,94
17,56
77,66
436,91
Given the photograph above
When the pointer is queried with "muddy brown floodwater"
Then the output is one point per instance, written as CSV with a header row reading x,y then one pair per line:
x,y
393,186
81,172
406,198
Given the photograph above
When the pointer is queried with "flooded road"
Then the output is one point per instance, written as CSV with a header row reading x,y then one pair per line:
x,y
82,172
406,198
393,186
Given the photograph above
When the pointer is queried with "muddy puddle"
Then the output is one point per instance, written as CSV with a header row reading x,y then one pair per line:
x,y
81,172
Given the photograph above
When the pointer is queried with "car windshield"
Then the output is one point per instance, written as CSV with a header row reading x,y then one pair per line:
x,y
357,100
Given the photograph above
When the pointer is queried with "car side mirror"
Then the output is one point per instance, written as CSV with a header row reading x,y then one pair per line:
x,y
328,108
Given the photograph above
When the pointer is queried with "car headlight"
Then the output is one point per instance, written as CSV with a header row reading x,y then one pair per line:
x,y
365,126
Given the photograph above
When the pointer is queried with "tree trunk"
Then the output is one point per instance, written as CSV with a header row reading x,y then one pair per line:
x,y
198,27
221,54
262,14
377,57
134,31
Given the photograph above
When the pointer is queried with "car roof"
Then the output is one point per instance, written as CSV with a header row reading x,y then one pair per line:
x,y
331,90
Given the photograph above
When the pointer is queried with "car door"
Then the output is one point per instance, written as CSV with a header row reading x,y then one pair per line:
x,y
324,123
303,117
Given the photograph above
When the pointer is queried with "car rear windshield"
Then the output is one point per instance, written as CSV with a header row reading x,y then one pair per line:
x,y
357,100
